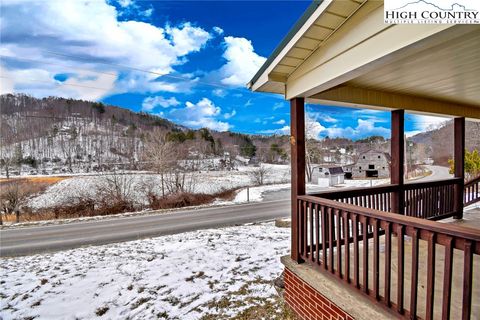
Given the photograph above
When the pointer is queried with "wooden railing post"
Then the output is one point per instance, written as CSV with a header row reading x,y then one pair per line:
x,y
459,164
297,142
397,146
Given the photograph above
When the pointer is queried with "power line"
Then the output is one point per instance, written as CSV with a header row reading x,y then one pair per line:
x,y
217,85
60,83
57,64
145,71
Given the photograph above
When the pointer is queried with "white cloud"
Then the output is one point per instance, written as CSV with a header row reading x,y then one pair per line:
x,y
328,118
147,13
151,103
187,38
285,130
363,129
422,123
242,62
315,130
200,115
40,83
230,115
125,3
278,105
219,93
6,83
88,35
218,30
281,121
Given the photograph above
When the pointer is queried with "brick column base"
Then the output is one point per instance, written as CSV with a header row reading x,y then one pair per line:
x,y
308,303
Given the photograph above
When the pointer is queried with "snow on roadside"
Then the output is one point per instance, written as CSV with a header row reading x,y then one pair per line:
x,y
256,193
184,276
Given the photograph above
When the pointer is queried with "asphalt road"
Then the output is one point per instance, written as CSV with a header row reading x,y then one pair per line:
x,y
438,173
39,239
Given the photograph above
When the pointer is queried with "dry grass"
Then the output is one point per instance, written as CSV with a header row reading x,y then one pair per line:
x,y
15,192
41,180
273,308
180,200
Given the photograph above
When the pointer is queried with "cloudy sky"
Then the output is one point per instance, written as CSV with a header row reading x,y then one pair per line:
x,y
188,61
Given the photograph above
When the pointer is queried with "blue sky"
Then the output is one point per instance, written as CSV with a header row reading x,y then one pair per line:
x,y
187,61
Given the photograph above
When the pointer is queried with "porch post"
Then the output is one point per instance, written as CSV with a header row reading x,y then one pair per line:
x,y
397,145
297,142
459,164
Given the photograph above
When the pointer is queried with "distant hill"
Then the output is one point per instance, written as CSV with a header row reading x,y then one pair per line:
x,y
93,134
440,140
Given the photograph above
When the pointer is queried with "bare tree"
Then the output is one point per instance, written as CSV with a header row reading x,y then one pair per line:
x,y
160,154
116,188
259,174
15,194
312,151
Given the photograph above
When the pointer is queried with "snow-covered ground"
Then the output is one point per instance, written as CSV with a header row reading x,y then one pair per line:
x,y
184,276
208,182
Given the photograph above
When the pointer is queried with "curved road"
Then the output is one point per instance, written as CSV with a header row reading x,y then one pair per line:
x,y
30,240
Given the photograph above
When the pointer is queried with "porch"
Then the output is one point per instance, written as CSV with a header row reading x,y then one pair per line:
x,y
401,250
417,268
390,243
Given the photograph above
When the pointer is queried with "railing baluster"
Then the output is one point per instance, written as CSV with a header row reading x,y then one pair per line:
x,y
331,234
388,262
415,202
365,253
317,233
356,264
300,228
376,261
430,275
447,279
401,264
312,241
346,235
414,276
442,200
338,213
467,280
305,232
324,237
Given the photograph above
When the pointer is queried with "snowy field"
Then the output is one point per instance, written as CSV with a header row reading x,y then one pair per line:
x,y
208,182
216,272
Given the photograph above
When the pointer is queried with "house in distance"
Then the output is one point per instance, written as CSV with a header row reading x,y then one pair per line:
x,y
370,164
335,175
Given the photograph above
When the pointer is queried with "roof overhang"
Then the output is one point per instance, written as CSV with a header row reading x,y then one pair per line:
x,y
344,54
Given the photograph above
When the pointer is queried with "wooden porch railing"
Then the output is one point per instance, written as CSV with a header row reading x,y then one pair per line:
x,y
344,239
472,191
431,200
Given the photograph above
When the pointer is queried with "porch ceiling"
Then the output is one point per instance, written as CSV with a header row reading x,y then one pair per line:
x,y
331,19
325,18
448,72
345,55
